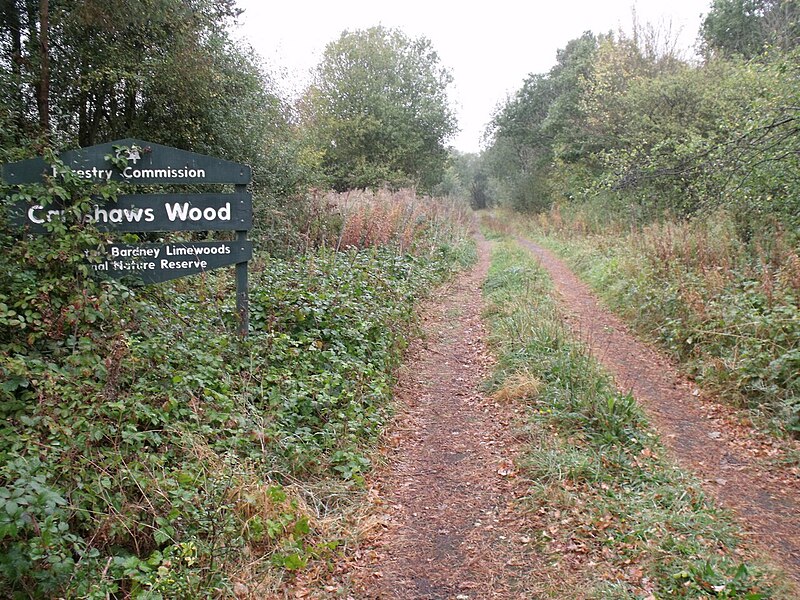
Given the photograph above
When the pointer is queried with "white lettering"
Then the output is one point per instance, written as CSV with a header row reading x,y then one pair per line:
x,y
183,264
177,211
100,215
165,173
196,250
136,251
47,217
132,215
38,215
32,213
184,211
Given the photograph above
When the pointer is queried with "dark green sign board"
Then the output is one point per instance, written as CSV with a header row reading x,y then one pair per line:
x,y
153,212
147,164
154,263
138,162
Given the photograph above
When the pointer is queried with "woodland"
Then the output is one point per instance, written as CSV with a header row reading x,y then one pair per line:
x,y
149,451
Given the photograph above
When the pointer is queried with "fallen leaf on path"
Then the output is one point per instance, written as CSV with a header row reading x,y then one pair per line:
x,y
507,468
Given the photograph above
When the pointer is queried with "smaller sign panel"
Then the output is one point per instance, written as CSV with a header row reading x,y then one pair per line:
x,y
154,212
154,263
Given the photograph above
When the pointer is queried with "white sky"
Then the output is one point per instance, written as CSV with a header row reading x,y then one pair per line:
x,y
489,46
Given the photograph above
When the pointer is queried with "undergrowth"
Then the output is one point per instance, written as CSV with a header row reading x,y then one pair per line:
x,y
607,501
148,452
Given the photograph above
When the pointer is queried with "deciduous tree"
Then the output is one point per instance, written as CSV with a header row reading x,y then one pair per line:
x,y
378,110
91,71
747,28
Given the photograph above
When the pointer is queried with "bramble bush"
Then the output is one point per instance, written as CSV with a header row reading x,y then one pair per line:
x,y
146,450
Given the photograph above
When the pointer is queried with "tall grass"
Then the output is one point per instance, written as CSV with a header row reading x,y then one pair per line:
x,y
357,219
400,218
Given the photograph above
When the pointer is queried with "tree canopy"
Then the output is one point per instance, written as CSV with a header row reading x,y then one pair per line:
x,y
83,72
624,122
747,28
378,111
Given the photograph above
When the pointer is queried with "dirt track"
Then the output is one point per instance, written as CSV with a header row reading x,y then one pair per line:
x,y
447,492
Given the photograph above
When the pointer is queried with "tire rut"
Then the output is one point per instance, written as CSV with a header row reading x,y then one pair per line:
x,y
764,500
448,491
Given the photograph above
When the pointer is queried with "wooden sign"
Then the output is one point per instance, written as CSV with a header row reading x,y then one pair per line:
x,y
154,263
143,213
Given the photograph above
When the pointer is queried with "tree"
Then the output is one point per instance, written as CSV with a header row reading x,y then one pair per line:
x,y
25,54
121,65
465,179
541,125
748,27
162,70
378,111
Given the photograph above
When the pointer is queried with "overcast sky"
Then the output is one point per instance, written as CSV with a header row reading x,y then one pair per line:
x,y
489,46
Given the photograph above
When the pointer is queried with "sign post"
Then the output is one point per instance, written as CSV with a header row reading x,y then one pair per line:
x,y
242,296
144,163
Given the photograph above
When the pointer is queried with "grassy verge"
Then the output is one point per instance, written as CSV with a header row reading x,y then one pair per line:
x,y
729,311
617,519
148,452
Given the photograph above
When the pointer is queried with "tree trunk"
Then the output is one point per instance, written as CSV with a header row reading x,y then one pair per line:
x,y
43,89
130,105
83,119
13,21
